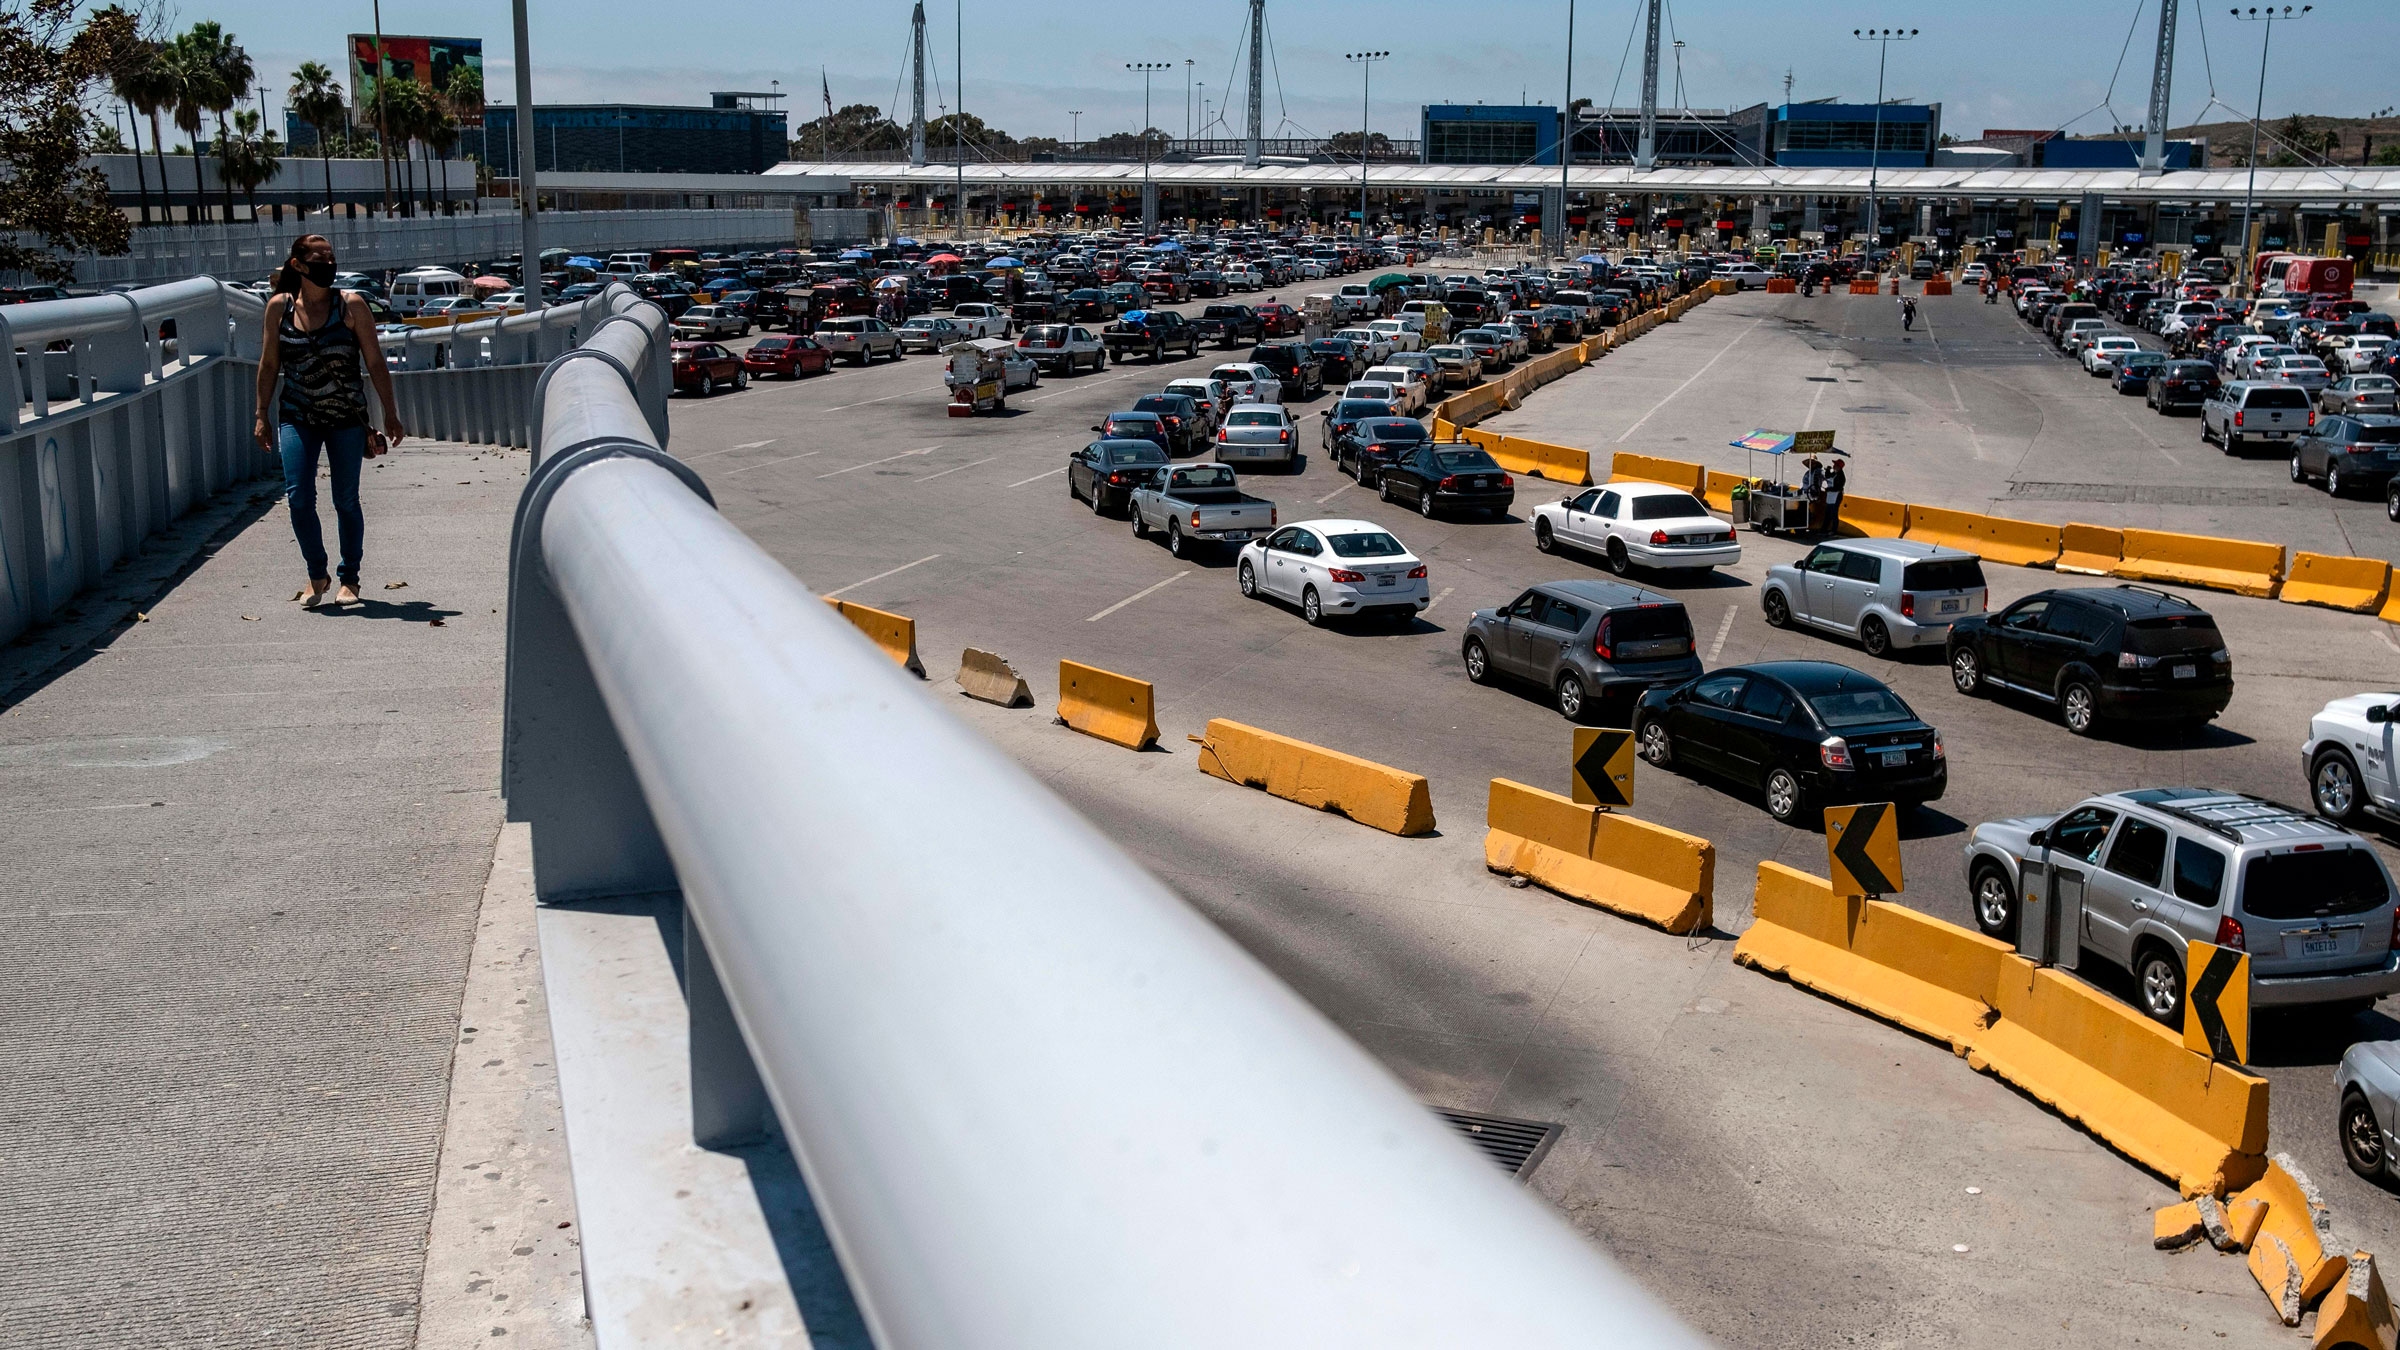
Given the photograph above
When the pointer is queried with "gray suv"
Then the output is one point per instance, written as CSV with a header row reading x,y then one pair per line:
x,y
1583,641
2131,877
1885,592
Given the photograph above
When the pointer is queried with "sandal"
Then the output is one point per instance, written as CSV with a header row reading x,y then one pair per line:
x,y
315,595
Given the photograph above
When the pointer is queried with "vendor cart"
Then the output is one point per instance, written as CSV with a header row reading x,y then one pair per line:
x,y
978,376
1772,505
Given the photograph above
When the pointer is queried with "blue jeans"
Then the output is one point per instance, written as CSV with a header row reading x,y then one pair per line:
x,y
346,449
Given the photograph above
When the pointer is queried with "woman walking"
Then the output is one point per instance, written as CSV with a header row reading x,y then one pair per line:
x,y
317,339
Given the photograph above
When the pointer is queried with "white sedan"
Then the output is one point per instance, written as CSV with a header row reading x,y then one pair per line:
x,y
1248,382
1335,567
2101,357
1404,336
1633,524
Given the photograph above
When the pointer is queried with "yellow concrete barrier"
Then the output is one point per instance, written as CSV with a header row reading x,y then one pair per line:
x,y
1558,463
988,676
896,634
2091,549
2355,584
1717,489
2021,543
1371,794
1648,468
1102,703
1874,516
1623,865
2289,1257
2242,566
2090,1056
2356,1311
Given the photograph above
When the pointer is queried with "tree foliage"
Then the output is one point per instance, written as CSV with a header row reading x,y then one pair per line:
x,y
857,128
54,56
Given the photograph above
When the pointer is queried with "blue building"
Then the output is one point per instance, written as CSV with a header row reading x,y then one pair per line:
x,y
1845,135
2062,153
1479,133
732,135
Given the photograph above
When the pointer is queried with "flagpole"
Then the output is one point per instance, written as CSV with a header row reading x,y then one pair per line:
x,y
825,141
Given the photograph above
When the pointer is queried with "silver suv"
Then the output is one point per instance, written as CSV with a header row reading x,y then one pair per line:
x,y
1885,592
2133,876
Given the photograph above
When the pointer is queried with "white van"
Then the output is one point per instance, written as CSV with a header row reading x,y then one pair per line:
x,y
627,264
414,289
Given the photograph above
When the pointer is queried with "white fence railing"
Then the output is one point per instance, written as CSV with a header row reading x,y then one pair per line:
x,y
1038,1101
476,381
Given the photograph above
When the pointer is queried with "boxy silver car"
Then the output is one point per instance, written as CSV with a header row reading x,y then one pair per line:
x,y
1885,592
2132,877
1258,433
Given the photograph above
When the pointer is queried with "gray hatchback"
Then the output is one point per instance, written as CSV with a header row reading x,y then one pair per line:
x,y
1583,641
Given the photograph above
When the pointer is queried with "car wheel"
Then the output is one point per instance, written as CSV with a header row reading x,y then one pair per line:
x,y
2391,500
1875,637
1099,361
1995,902
1778,610
1247,580
1654,745
1425,502
1478,661
2333,478
2333,786
741,380
2362,1137
1966,671
1785,799
1311,608
1619,561
2160,978
1383,488
1542,538
1141,527
2299,475
1175,545
1573,702
1099,500
2075,707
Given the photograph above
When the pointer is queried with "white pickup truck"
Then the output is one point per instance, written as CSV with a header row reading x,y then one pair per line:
x,y
981,319
1197,504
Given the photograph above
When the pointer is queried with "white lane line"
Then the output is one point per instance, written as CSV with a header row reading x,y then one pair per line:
x,y
1703,370
968,465
905,454
1395,637
746,445
1724,630
2386,635
880,576
766,463
1082,383
1146,590
845,407
1039,476
1335,493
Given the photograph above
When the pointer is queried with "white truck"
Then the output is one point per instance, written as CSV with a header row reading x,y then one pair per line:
x,y
980,319
1192,504
2348,759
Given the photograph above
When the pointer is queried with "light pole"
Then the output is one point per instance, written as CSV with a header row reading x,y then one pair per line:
x,y
1365,61
1566,140
1149,202
1075,128
529,241
2266,14
622,122
1883,38
1187,100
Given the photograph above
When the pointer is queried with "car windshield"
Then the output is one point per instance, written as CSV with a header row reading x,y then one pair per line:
x,y
770,344
2374,384
1467,461
1375,544
1397,431
1255,419
1858,707
2308,885
1668,506
1135,452
1351,408
1206,476
2171,634
1158,403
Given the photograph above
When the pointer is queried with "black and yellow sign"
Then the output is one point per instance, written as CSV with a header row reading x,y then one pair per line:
x,y
2216,1002
1603,767
1862,848
1811,443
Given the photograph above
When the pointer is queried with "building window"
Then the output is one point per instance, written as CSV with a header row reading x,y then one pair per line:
x,y
1898,137
1480,142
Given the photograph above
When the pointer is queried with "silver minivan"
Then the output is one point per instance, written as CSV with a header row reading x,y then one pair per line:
x,y
2132,877
1886,593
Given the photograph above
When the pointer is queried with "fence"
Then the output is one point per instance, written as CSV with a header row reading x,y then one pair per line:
x,y
477,381
1037,1099
111,428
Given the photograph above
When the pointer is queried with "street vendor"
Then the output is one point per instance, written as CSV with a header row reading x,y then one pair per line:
x,y
1812,487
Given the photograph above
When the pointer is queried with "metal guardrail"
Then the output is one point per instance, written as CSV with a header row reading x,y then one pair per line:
x,y
118,413
1038,1100
475,381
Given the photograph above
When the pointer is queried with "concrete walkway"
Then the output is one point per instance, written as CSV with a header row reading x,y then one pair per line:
x,y
246,847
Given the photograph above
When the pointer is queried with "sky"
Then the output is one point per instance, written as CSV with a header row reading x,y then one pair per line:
x,y
2046,64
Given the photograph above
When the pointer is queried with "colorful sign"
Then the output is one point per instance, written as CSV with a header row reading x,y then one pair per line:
x,y
427,62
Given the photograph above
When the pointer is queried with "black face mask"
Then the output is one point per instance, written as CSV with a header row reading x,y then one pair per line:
x,y
319,272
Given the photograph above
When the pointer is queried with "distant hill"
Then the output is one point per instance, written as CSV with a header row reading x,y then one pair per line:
x,y
2352,140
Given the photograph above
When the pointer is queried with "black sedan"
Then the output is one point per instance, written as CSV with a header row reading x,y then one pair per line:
x,y
1137,426
1805,734
1435,477
1373,443
1342,414
1106,472
1187,427
2181,384
1090,306
1340,359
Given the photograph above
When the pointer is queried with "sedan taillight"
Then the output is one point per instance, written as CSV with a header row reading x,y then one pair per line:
x,y
1834,752
1345,575
1417,573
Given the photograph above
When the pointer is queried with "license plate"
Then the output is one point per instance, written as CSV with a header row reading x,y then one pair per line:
x,y
1236,536
1387,580
1892,759
2324,946
1953,606
2186,672
2278,435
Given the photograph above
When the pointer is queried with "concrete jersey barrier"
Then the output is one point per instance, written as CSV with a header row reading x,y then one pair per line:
x,y
1650,469
1392,800
1623,865
2355,584
1558,463
2242,566
2094,550
2093,1058
895,634
1874,517
988,676
2021,543
1116,708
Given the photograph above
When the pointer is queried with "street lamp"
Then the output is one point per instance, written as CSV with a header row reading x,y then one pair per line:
x,y
1187,99
623,121
1566,140
1365,61
1883,38
1075,128
2266,14
1149,201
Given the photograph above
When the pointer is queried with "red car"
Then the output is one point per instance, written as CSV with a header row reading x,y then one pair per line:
x,y
704,367
789,357
1280,320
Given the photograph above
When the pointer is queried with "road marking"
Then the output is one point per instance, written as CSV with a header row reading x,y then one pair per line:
x,y
1395,637
968,465
1039,476
885,399
880,576
1146,590
1087,380
905,454
1335,493
766,463
2386,635
1695,375
1724,630
746,445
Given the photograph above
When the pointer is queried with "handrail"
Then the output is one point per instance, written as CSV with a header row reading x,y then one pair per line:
x,y
1038,1099
116,343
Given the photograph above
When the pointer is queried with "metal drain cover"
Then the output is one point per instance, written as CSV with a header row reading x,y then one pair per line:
x,y
1516,1145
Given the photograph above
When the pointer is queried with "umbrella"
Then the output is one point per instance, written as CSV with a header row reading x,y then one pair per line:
x,y
1388,281
850,253
904,242
891,283
997,264
943,258
502,282
579,260
1591,258
1136,315
1168,247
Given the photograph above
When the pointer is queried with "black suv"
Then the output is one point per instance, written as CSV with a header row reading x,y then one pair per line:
x,y
2119,653
1300,369
2181,384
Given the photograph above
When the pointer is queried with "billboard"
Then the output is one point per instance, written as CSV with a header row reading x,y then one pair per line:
x,y
428,62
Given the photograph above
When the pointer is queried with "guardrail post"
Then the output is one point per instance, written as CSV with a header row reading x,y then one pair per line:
x,y
729,1102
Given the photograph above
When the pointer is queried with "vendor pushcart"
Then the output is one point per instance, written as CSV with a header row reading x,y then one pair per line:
x,y
978,376
1772,504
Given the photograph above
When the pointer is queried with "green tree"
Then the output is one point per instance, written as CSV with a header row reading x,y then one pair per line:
x,y
1129,143
963,131
464,93
316,99
2388,156
858,127
250,159
227,78
55,57
1344,144
191,83
439,139
398,110
147,85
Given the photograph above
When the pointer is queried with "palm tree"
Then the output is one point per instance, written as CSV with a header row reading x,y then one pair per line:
x,y
191,83
234,76
249,158
399,108
441,137
137,83
465,96
314,98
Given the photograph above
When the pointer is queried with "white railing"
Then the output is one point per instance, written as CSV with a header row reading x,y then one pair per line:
x,y
476,381
1037,1099
118,413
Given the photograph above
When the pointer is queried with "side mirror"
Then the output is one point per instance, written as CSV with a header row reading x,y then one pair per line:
x,y
2379,715
2039,839
1095,426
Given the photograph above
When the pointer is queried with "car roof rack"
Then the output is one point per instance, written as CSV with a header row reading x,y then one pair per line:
x,y
2229,818
2153,590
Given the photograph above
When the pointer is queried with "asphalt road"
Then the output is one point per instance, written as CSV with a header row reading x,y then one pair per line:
x,y
861,483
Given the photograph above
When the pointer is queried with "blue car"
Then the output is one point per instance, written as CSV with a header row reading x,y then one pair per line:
x,y
2134,369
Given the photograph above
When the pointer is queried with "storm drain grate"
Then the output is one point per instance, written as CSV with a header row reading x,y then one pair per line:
x,y
2162,494
1516,1145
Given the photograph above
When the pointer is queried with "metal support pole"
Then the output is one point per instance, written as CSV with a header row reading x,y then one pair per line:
x,y
1566,143
1365,61
1645,154
2162,74
1258,84
1883,38
529,237
958,128
1149,194
916,120
2268,15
